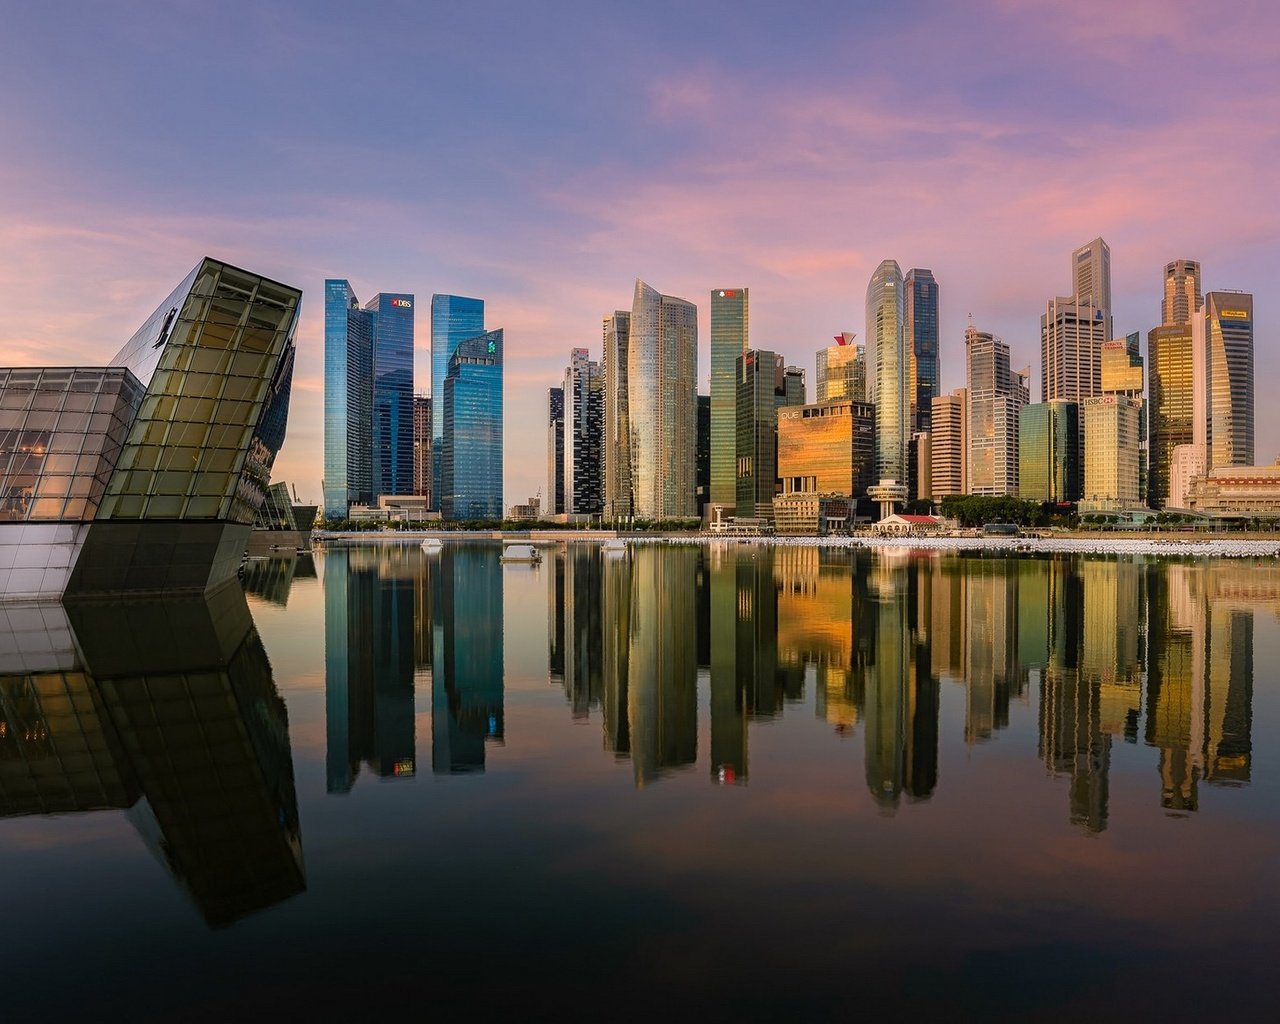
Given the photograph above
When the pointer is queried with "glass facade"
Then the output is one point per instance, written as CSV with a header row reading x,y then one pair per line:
x,y
583,456
472,455
761,389
827,448
1048,439
1172,404
616,332
61,434
1182,296
454,319
348,401
921,337
841,371
1111,452
662,400
392,393
730,333
553,500
422,447
887,370
1229,337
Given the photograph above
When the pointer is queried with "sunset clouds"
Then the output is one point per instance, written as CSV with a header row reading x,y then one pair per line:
x,y
543,157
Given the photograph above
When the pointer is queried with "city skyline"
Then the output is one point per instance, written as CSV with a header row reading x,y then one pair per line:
x,y
505,192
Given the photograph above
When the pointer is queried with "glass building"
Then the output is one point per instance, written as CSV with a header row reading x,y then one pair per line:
x,y
827,448
761,389
730,332
583,456
996,397
1229,340
662,404
887,370
1048,442
454,319
148,474
553,503
392,393
348,400
841,370
471,463
616,331
422,447
920,331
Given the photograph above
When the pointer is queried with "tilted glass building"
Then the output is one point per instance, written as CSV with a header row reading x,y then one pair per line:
x,y
471,463
662,404
148,474
454,319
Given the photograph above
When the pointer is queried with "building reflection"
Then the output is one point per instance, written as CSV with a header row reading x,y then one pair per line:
x,y
370,595
272,578
467,670
167,709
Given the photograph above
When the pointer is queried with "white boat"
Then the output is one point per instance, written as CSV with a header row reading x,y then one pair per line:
x,y
522,553
614,546
432,544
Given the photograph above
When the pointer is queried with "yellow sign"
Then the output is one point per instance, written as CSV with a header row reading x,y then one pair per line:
x,y
1235,314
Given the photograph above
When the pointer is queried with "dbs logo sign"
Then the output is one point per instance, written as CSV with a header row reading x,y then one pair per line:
x,y
402,303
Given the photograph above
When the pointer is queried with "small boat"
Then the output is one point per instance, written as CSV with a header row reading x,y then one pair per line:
x,y
522,553
614,546
432,544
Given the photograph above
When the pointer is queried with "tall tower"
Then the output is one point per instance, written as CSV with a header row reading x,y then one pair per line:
x,y
662,404
1228,335
841,371
583,481
454,319
392,392
920,331
553,501
1173,356
422,447
887,370
348,400
996,398
730,331
616,331
1182,296
1091,276
471,468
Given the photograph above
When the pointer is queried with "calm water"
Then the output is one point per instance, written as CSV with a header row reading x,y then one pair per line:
x,y
729,781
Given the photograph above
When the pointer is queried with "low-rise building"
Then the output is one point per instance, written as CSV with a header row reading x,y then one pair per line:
x,y
1236,492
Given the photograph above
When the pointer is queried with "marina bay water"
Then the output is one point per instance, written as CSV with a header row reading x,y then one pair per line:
x,y
729,779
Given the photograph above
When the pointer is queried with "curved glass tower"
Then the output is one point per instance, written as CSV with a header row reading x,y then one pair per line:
x,y
887,370
662,400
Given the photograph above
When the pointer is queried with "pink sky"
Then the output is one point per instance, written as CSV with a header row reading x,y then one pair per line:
x,y
545,159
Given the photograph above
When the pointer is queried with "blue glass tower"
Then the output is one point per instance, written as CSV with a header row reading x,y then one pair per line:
x,y
348,400
471,466
454,319
921,331
392,468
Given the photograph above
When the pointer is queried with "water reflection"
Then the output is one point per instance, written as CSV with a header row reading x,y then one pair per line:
x,y
167,709
1094,651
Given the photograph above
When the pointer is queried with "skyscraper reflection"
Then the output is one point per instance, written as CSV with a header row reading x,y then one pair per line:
x,y
169,710
370,646
466,677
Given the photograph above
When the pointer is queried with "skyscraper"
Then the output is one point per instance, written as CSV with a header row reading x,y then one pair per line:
x,y
996,398
422,448
1182,296
920,330
616,332
704,454
1111,476
1228,335
471,471
1048,451
583,393
1171,358
662,400
348,400
1091,275
730,331
841,371
949,444
553,503
392,393
454,319
887,370
761,392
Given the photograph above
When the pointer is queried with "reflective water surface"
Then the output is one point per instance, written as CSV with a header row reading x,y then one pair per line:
x,y
730,781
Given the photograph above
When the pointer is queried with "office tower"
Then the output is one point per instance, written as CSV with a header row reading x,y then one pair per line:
x,y
794,386
1228,336
1091,275
704,454
471,472
553,503
583,436
422,447
617,432
1111,428
454,319
1122,376
949,444
841,371
827,448
761,391
392,393
662,403
348,400
1048,451
887,370
920,332
1182,298
996,397
730,331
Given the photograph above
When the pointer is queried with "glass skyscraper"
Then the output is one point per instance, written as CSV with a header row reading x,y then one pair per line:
x,y
887,370
471,465
616,332
348,400
730,328
454,319
920,332
1229,341
1048,451
392,393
